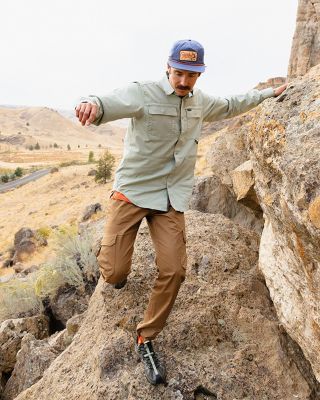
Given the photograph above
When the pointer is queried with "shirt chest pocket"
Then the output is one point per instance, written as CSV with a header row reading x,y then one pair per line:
x,y
194,118
162,120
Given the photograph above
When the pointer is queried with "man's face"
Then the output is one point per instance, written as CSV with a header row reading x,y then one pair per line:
x,y
182,81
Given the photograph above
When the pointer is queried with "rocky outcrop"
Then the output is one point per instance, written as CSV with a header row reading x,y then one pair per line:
x,y
222,338
210,195
12,332
284,141
36,356
305,52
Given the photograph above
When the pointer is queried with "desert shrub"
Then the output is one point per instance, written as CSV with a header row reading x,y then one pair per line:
x,y
37,146
79,249
55,145
69,147
74,265
30,147
51,277
18,298
44,232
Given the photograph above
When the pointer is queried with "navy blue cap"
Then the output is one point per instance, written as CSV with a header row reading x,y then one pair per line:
x,y
187,55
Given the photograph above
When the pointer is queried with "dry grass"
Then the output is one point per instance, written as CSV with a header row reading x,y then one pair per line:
x,y
57,199
74,264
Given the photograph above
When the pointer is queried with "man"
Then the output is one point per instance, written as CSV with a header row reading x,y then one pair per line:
x,y
155,177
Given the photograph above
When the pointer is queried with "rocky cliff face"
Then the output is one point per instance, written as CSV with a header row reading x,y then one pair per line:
x,y
222,340
305,52
284,141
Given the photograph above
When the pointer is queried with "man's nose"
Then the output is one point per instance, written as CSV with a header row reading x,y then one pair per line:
x,y
184,81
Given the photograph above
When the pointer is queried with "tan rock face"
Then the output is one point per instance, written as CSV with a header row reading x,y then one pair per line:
x,y
284,141
305,52
222,335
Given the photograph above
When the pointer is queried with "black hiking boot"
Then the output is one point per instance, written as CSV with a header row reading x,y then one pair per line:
x,y
154,369
120,285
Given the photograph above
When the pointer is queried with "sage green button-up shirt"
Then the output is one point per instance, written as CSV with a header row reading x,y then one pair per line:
x,y
157,168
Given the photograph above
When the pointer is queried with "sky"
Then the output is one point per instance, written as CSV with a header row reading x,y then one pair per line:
x,y
53,52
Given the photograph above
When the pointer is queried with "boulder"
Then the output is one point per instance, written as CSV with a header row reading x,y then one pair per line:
x,y
68,302
90,210
222,336
26,242
211,196
284,141
36,356
12,332
92,172
243,186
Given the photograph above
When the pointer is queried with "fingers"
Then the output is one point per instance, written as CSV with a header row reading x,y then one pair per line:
x,y
86,113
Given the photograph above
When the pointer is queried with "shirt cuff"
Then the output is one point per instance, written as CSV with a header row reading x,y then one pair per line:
x,y
266,93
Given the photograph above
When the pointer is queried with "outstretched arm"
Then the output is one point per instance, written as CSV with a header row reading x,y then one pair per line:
x,y
126,102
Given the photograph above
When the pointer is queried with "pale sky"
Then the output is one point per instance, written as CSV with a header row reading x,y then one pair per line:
x,y
53,52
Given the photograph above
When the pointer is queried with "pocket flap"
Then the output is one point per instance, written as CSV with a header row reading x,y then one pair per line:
x,y
109,240
163,110
194,113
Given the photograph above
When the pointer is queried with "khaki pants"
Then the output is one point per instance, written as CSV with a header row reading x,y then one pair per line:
x,y
167,230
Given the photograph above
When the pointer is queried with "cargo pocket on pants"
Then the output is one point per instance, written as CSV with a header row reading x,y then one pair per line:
x,y
107,256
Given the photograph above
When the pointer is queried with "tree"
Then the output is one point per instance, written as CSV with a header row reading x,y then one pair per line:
x,y
105,166
37,146
68,147
18,172
91,157
30,147
55,145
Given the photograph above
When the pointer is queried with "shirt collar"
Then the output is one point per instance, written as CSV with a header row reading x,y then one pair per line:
x,y
167,88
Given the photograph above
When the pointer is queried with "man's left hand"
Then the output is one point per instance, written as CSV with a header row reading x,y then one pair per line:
x,y
280,89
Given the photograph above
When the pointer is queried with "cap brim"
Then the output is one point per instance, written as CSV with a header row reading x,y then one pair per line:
x,y
187,67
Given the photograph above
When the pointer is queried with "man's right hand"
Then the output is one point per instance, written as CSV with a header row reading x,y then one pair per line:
x,y
86,113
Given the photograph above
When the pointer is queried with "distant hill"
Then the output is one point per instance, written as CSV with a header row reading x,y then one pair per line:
x,y
28,125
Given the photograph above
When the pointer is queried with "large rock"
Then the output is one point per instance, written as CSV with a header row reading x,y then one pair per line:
x,y
12,332
222,336
305,52
36,356
285,144
26,242
210,195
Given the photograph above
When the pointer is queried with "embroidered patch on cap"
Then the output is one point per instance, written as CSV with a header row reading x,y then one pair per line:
x,y
187,55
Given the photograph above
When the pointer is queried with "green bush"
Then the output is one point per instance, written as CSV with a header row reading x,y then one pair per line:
x,y
91,157
5,178
18,172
